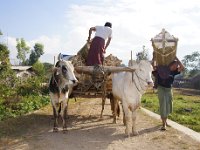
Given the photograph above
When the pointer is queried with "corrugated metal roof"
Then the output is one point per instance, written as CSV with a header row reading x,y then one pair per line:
x,y
21,67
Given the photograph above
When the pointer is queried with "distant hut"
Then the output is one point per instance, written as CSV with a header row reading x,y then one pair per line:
x,y
23,72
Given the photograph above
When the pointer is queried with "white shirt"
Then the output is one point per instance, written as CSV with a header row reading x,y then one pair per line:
x,y
103,32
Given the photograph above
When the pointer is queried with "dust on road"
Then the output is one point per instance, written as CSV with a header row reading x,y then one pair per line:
x,y
86,131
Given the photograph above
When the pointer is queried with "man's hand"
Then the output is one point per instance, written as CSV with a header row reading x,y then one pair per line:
x,y
88,41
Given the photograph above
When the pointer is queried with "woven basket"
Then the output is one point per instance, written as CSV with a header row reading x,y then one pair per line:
x,y
165,47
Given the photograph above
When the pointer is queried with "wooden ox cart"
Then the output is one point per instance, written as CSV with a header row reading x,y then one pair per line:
x,y
95,81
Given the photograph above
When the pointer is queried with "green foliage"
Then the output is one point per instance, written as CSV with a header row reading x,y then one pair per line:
x,y
194,72
191,63
19,97
36,53
22,50
27,96
186,109
143,55
48,71
26,104
32,86
39,68
4,54
48,67
7,76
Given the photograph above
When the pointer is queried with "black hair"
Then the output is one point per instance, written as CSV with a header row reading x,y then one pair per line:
x,y
173,62
108,24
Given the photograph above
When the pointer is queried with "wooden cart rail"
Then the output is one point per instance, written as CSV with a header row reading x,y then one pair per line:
x,y
105,69
95,81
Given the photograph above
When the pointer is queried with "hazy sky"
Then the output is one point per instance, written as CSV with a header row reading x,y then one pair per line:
x,y
62,25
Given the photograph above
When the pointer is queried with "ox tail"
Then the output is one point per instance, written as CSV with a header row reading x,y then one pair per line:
x,y
118,110
114,103
59,110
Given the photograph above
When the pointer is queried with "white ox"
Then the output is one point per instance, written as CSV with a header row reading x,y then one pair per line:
x,y
128,88
60,86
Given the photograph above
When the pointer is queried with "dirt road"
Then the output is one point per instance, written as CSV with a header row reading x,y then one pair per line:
x,y
87,132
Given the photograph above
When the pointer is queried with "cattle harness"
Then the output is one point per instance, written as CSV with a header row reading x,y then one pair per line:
x,y
141,89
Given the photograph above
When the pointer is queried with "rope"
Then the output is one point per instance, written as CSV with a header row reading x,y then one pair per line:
x,y
98,77
139,79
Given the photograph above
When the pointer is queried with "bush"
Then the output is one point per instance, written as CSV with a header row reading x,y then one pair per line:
x,y
19,97
25,105
32,86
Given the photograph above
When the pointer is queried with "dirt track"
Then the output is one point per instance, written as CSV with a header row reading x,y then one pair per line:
x,y
87,132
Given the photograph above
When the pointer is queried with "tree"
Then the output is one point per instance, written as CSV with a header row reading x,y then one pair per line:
x,y
1,34
22,50
36,53
192,64
4,55
7,75
143,55
38,67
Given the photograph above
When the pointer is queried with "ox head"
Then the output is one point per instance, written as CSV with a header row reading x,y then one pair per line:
x,y
65,70
146,69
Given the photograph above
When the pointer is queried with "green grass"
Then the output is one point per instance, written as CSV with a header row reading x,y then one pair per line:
x,y
186,109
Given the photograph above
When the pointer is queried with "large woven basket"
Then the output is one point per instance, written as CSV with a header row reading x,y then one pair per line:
x,y
165,47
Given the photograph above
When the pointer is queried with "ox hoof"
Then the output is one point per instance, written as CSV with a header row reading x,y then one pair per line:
x,y
127,135
55,129
135,133
115,122
64,129
101,118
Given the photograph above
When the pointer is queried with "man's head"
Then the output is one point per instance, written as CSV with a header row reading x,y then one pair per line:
x,y
108,24
173,65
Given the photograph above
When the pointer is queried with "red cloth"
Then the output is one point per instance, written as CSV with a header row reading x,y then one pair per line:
x,y
95,54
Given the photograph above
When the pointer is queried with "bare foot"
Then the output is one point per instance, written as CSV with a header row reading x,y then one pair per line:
x,y
163,128
135,133
167,125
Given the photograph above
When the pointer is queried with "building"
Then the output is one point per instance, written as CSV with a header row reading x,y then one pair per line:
x,y
23,72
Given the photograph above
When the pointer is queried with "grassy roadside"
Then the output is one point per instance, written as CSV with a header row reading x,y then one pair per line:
x,y
24,105
186,109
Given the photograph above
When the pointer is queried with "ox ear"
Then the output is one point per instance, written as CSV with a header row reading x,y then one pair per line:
x,y
56,71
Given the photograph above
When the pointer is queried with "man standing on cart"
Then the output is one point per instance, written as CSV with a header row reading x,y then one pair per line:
x,y
99,44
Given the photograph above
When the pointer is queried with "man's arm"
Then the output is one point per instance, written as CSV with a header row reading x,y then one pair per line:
x,y
90,32
107,43
181,67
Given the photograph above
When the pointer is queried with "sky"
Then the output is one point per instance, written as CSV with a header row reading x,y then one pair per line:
x,y
62,25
